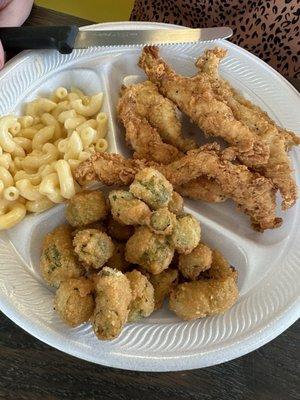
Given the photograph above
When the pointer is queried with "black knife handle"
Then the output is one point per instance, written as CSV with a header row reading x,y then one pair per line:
x,y
61,38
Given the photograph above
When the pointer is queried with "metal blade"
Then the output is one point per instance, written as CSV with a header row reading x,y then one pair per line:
x,y
86,39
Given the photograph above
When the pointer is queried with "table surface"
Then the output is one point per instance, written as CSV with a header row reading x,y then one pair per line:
x,y
31,370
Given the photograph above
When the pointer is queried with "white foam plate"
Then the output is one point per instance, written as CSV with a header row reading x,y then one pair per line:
x,y
268,264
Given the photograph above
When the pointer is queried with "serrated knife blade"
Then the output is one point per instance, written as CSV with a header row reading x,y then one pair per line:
x,y
88,38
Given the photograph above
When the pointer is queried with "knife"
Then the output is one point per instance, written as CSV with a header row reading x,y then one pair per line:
x,y
66,38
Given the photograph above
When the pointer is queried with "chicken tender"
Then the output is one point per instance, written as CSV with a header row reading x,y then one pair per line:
x,y
142,303
119,231
176,203
58,260
141,136
195,97
278,168
162,221
128,210
112,302
149,250
253,193
118,260
162,284
93,247
145,101
198,299
85,208
186,234
204,189
152,187
199,260
74,301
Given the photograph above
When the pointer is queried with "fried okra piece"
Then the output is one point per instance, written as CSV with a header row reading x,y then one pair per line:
x,y
113,297
176,203
117,260
186,234
162,284
74,301
142,303
152,187
149,250
162,221
199,260
214,293
59,262
85,208
128,210
93,247
201,298
119,231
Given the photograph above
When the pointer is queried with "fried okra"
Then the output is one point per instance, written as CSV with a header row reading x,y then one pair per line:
x,y
220,267
186,234
128,210
58,260
199,260
142,303
162,284
85,208
119,231
176,203
149,250
162,221
117,260
214,293
93,247
198,299
74,301
152,187
113,297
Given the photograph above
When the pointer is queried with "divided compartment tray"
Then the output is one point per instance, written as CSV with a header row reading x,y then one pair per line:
x,y
268,263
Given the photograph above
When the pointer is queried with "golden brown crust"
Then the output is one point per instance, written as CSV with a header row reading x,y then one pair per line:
x,y
74,301
149,250
198,299
142,302
58,260
162,284
141,136
278,168
254,194
204,189
93,247
194,96
86,207
192,264
146,107
113,297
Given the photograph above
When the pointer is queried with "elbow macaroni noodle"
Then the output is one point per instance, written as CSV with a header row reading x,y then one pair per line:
x,y
40,151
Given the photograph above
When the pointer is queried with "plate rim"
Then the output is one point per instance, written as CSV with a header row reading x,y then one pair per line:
x,y
266,334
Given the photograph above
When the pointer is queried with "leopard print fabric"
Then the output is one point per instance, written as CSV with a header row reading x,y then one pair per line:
x,y
269,29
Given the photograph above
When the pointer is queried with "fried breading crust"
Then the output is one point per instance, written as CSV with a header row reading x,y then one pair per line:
x,y
113,297
195,97
253,193
278,168
143,100
150,120
214,293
